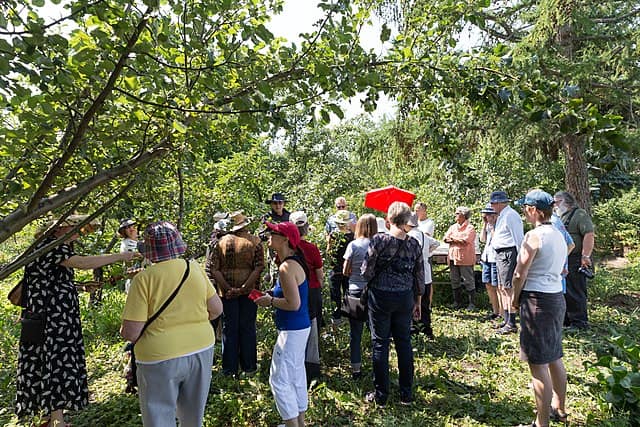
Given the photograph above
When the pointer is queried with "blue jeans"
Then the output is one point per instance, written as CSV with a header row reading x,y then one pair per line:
x,y
390,315
239,335
355,339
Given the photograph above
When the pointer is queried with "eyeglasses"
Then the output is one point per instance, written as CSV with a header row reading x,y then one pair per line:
x,y
458,213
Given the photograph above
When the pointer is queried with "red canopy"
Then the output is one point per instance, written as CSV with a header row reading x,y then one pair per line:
x,y
380,198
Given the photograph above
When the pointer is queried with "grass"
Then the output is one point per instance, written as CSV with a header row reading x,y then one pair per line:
x,y
467,376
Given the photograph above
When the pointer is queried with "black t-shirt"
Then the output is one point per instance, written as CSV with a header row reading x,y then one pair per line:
x,y
274,217
339,243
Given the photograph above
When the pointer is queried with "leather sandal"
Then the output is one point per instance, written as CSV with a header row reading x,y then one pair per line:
x,y
557,416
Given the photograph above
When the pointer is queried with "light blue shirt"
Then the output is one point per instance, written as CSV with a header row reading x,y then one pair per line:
x,y
356,251
508,231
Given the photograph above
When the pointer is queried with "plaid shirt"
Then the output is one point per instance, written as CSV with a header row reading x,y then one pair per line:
x,y
236,256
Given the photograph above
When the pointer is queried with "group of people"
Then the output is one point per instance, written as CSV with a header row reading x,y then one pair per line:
x,y
171,303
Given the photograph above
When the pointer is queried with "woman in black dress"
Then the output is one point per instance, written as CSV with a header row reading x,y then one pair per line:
x,y
52,375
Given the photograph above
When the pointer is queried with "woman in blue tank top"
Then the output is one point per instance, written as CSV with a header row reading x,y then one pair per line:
x,y
290,300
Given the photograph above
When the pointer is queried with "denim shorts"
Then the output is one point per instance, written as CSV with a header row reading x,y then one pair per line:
x,y
489,273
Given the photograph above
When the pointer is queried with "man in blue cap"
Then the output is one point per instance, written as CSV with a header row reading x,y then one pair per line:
x,y
506,240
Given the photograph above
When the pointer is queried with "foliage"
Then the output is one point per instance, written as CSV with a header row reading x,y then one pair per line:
x,y
617,223
91,99
565,69
618,375
467,376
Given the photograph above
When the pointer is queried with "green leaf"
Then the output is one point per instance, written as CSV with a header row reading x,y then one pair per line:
x,y
180,127
131,82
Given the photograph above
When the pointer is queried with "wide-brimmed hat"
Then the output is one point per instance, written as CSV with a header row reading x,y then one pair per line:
x,y
299,218
238,220
70,221
488,210
499,197
276,197
288,230
162,241
537,198
125,223
342,217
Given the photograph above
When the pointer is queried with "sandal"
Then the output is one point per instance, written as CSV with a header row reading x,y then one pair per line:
x,y
557,416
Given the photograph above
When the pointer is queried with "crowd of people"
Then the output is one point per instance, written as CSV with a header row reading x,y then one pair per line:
x,y
385,262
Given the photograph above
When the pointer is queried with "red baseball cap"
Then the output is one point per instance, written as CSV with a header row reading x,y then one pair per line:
x,y
288,230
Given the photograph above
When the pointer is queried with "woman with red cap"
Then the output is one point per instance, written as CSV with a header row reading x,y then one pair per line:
x,y
290,301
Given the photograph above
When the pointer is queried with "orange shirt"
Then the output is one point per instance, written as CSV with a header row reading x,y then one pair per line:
x,y
462,253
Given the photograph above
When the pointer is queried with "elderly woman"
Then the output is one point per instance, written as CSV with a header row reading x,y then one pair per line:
x,y
461,238
175,353
235,264
52,374
290,301
537,288
394,270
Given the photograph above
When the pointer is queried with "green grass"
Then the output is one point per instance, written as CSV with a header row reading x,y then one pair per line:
x,y
467,376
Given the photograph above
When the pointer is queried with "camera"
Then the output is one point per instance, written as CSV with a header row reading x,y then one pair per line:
x,y
586,272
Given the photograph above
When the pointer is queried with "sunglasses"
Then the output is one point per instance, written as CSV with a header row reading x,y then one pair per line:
x,y
341,206
277,202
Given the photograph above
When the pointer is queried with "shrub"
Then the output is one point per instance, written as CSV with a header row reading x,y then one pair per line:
x,y
617,223
618,378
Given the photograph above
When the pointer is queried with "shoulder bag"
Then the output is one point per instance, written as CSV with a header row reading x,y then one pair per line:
x,y
131,369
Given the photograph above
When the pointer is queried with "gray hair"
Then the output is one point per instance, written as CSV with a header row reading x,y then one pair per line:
x,y
464,211
568,198
399,213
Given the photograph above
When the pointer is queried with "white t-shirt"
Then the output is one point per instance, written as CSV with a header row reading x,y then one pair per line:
x,y
428,244
427,226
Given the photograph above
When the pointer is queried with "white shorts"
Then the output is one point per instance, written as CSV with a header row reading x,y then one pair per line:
x,y
287,377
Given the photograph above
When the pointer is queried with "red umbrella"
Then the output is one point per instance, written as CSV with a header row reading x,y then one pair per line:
x,y
380,198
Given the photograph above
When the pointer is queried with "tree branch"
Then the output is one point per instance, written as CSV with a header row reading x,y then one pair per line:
x,y
76,136
29,255
20,217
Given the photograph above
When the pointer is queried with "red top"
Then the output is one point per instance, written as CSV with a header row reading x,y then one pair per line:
x,y
314,261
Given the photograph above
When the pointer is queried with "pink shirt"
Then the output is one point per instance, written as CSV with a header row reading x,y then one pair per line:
x,y
462,253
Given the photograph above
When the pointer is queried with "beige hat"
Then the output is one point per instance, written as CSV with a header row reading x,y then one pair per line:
x,y
239,220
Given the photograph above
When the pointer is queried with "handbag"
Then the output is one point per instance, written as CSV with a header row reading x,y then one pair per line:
x,y
354,308
32,331
130,371
16,294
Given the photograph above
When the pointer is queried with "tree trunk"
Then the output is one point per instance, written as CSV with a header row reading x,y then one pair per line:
x,y
576,176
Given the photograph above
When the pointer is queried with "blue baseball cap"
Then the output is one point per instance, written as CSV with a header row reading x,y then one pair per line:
x,y
538,198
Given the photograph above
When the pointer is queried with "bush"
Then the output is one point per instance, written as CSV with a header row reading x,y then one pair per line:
x,y
618,377
616,223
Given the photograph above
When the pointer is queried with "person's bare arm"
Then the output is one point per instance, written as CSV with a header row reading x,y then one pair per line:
x,y
588,242
91,262
214,307
131,330
526,255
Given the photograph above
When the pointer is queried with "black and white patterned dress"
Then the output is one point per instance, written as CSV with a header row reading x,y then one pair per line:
x,y
52,375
